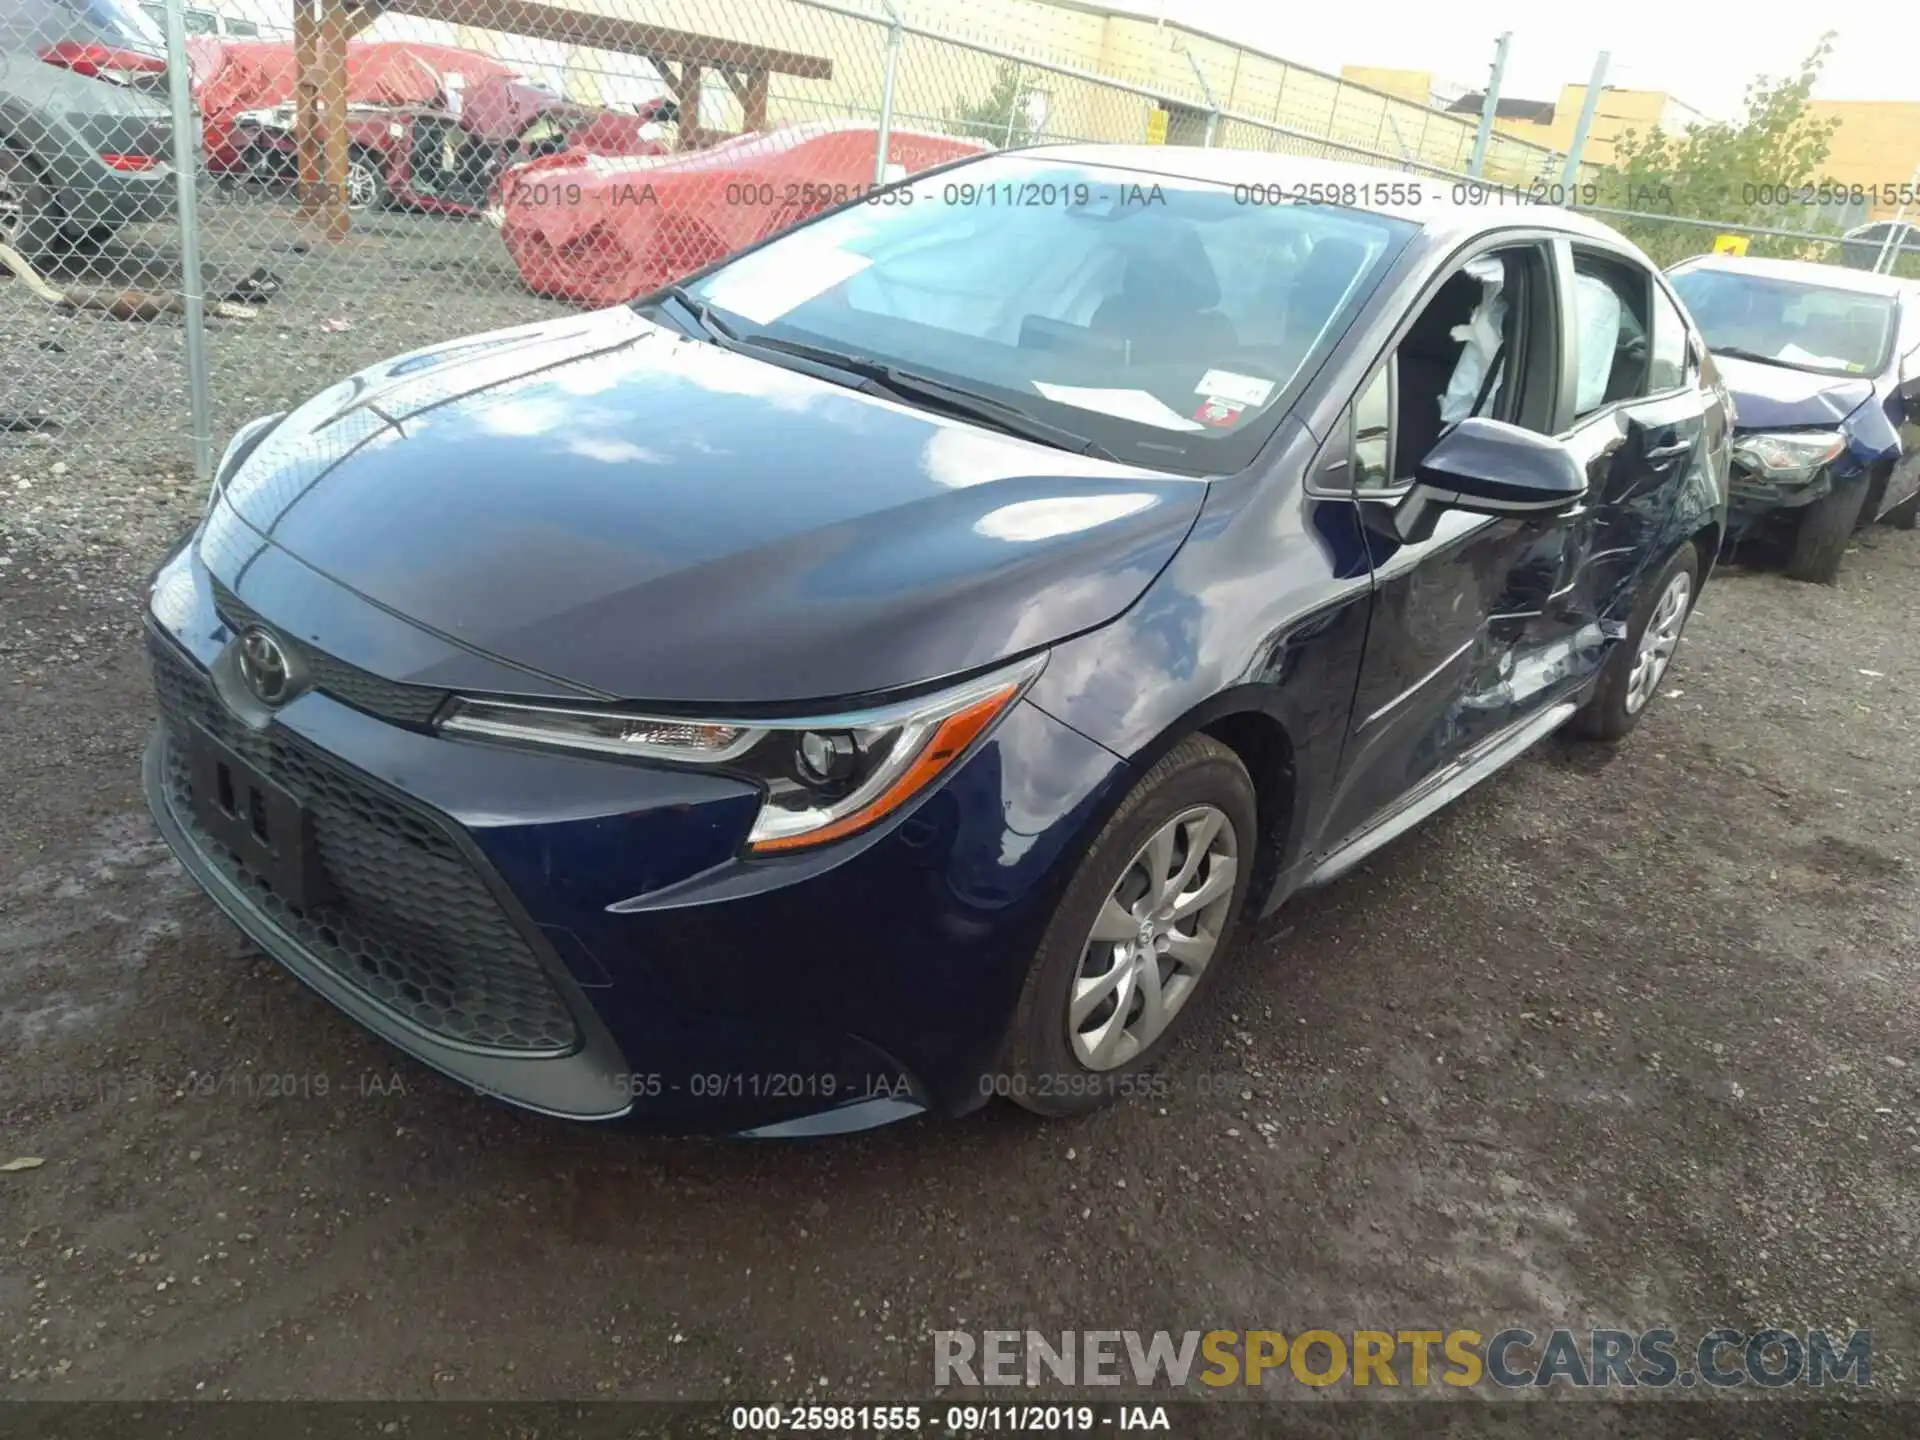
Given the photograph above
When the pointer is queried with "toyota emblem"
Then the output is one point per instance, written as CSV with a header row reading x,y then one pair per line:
x,y
264,665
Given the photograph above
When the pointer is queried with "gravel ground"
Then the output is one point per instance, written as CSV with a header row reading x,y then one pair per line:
x,y
117,389
1621,1039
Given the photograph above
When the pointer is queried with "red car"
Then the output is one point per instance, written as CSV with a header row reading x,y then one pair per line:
x,y
429,127
603,229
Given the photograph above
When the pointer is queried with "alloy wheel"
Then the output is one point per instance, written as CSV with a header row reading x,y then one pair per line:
x,y
1154,937
363,186
1658,641
13,213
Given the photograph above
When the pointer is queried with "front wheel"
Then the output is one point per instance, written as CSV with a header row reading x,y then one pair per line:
x,y
1632,674
1825,527
1138,936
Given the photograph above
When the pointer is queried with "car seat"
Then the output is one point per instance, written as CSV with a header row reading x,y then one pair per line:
x,y
1165,306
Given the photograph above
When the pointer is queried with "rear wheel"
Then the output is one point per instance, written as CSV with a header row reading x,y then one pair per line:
x,y
1632,675
1906,514
1139,934
29,222
1825,527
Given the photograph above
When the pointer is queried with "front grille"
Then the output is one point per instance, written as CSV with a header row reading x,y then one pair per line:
x,y
411,924
389,699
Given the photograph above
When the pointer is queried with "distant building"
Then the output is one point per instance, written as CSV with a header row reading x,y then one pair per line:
x,y
1876,146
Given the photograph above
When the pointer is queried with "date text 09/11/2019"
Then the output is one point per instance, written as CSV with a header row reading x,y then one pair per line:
x,y
958,1419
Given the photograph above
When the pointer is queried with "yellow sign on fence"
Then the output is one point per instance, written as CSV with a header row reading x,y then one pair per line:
x,y
1156,126
1731,244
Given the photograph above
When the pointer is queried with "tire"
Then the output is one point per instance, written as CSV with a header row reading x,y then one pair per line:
x,y
1044,1067
366,183
29,221
1624,691
1825,527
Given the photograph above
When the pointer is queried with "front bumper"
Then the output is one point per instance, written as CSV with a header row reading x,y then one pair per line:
x,y
580,937
1751,496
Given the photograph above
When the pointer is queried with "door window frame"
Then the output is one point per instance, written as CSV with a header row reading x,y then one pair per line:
x,y
1331,472
1564,249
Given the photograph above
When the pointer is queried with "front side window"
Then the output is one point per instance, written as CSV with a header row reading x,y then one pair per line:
x,y
1668,368
1798,324
1165,319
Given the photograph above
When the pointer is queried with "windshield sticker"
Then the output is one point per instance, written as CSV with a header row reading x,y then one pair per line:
x,y
768,284
1219,412
1241,389
1135,405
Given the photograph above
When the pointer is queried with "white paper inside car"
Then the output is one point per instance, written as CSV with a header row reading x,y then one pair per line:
x,y
1135,405
1794,355
1481,338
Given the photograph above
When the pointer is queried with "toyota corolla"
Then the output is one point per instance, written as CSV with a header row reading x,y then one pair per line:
x,y
887,670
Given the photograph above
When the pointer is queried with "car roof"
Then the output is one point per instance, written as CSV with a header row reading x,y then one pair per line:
x,y
1805,272
1426,200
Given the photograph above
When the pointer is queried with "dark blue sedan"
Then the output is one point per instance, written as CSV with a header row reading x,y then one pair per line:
x,y
886,671
1823,365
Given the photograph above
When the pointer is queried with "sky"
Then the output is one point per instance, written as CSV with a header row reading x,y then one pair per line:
x,y
1702,54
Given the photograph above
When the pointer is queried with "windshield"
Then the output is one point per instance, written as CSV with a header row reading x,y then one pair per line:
x,y
1161,318
1806,326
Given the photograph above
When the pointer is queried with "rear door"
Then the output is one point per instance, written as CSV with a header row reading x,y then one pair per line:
x,y
1637,418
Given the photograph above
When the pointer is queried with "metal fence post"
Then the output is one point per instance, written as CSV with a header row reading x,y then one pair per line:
x,y
1570,175
1213,105
1478,160
884,139
1013,107
186,162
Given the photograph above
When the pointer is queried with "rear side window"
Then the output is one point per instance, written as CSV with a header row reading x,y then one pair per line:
x,y
1668,370
1611,332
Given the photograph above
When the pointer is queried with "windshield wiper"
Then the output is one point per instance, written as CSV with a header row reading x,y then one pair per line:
x,y
701,312
914,388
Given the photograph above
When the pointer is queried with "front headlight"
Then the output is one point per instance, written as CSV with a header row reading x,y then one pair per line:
x,y
825,777
238,448
1789,454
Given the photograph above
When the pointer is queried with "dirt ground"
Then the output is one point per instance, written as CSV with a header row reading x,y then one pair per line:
x,y
1622,1039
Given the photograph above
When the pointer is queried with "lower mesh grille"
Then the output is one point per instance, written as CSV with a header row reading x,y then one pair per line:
x,y
410,924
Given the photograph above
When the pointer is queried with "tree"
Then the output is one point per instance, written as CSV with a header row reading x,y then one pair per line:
x,y
1746,172
1000,116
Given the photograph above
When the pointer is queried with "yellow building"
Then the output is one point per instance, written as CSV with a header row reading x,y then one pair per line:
x,y
1877,145
936,81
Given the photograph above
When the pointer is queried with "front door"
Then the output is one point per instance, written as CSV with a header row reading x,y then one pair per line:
x,y
1477,626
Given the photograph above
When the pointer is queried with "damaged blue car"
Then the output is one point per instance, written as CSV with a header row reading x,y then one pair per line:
x,y
1823,365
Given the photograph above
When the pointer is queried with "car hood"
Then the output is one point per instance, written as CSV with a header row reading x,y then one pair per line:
x,y
1773,397
652,517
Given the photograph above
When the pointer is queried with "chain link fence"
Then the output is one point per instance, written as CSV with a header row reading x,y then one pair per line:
x,y
368,176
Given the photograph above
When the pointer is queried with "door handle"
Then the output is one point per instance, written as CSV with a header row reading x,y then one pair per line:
x,y
1670,452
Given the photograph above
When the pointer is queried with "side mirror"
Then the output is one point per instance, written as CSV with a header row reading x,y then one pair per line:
x,y
1488,467
1909,383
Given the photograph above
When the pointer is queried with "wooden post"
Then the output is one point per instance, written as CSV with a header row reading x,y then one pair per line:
x,y
686,94
306,103
334,28
754,108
